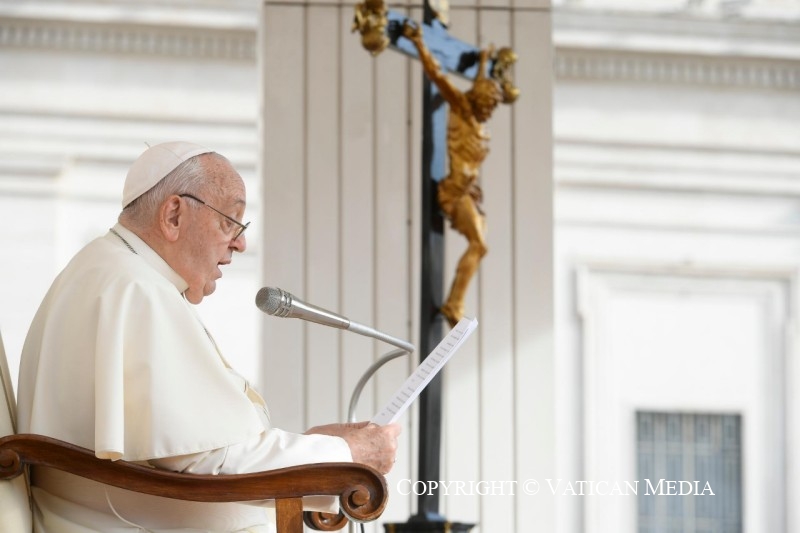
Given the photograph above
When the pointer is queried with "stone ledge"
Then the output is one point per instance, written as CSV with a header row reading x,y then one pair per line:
x,y
640,67
115,38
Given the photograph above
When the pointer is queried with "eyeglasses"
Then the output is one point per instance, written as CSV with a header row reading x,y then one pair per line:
x,y
234,227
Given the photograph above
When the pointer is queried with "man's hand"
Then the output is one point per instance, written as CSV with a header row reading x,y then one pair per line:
x,y
412,32
370,444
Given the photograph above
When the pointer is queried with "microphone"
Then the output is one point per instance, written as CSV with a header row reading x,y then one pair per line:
x,y
280,303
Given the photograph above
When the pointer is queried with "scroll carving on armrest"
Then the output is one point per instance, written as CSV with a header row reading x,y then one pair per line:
x,y
361,490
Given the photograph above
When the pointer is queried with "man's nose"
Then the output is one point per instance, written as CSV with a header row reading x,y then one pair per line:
x,y
239,244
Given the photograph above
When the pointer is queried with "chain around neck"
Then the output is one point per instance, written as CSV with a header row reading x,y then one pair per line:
x,y
126,243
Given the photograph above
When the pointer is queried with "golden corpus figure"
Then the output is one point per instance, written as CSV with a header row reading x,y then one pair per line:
x,y
459,194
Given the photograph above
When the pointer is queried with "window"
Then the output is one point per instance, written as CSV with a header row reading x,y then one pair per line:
x,y
701,453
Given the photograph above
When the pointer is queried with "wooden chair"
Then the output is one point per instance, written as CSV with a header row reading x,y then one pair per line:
x,y
361,490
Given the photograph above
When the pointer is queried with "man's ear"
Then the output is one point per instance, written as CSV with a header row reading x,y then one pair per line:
x,y
170,217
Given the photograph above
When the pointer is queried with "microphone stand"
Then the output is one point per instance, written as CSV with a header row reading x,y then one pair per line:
x,y
351,411
394,354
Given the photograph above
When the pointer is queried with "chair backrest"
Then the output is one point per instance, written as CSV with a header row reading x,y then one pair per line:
x,y
15,510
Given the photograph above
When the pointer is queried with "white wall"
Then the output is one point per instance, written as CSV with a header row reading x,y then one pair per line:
x,y
677,159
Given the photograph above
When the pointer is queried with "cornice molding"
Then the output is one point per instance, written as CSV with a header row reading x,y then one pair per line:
x,y
676,69
676,48
117,38
680,32
587,61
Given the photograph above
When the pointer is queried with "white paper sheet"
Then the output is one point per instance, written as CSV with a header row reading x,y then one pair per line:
x,y
425,372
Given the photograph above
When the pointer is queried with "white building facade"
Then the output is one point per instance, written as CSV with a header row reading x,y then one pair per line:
x,y
677,156
639,298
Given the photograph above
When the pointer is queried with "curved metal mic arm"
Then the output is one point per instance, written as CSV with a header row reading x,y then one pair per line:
x,y
365,377
394,354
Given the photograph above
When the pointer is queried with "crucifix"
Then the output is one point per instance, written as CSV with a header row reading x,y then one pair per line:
x,y
454,145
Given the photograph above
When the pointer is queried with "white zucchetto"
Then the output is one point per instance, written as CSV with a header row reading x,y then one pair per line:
x,y
154,164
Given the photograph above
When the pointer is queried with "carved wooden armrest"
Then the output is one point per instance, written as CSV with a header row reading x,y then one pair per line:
x,y
361,490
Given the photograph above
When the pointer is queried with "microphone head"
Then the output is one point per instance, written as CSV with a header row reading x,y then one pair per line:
x,y
274,301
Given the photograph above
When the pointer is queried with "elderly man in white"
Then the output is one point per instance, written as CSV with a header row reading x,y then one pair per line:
x,y
117,360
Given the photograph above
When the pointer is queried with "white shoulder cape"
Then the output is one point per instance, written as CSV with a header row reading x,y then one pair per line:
x,y
117,361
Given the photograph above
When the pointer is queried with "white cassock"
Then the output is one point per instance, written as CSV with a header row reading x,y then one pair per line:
x,y
116,360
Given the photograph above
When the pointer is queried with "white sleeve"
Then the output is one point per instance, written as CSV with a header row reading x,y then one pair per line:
x,y
274,448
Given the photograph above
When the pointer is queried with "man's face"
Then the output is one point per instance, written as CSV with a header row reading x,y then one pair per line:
x,y
484,97
483,106
208,241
